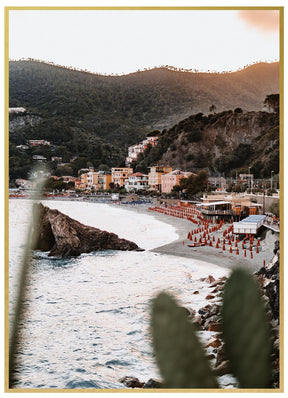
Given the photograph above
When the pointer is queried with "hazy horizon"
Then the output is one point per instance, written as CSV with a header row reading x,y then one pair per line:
x,y
124,41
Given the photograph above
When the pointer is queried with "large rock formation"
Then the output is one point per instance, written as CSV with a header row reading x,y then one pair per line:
x,y
65,237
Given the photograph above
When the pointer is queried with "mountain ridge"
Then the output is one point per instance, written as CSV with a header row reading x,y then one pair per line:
x,y
100,116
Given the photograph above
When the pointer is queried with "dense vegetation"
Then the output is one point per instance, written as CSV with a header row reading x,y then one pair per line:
x,y
92,119
223,143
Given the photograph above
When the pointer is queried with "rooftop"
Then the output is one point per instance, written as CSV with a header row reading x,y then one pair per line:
x,y
253,218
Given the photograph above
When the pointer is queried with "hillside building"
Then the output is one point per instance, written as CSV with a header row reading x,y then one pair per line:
x,y
38,142
134,150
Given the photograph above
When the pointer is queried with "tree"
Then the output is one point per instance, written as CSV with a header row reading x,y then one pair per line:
x,y
194,183
272,102
212,108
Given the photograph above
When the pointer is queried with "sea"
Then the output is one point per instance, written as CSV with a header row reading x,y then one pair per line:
x,y
87,319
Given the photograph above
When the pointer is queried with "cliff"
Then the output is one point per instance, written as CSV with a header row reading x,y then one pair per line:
x,y
219,142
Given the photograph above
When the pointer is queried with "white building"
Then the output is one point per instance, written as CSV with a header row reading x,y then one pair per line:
x,y
136,182
249,225
134,150
17,110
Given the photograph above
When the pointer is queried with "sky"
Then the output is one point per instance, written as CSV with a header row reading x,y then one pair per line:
x,y
123,41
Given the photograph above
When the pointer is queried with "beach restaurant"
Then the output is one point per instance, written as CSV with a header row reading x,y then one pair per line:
x,y
228,207
249,225
215,210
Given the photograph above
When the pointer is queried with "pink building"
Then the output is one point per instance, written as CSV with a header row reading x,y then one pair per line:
x,y
170,179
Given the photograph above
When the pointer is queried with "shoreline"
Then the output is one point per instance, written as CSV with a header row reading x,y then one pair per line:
x,y
207,254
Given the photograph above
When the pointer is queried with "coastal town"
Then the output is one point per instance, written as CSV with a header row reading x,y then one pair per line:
x,y
144,201
124,185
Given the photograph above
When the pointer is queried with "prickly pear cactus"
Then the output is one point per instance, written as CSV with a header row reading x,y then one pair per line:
x,y
246,331
179,354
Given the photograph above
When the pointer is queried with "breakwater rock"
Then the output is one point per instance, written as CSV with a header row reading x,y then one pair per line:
x,y
64,237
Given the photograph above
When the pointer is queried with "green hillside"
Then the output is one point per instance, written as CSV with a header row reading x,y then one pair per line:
x,y
97,117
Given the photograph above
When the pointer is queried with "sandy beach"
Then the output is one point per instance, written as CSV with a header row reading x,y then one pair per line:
x,y
211,254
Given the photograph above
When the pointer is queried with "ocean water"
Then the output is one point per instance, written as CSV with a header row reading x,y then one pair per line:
x,y
87,318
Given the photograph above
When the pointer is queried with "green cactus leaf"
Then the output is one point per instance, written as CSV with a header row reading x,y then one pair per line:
x,y
246,331
179,354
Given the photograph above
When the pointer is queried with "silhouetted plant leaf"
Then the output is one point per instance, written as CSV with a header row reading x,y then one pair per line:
x,y
179,354
246,331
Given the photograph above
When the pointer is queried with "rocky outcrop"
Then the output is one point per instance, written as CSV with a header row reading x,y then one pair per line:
x,y
64,237
134,382
209,316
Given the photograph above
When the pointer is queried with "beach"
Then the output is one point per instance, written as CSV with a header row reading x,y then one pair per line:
x,y
209,254
89,316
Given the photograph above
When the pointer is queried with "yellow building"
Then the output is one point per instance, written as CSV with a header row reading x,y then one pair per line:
x,y
104,180
120,175
154,176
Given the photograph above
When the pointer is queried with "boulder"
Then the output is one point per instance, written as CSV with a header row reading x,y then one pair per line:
x,y
222,369
210,279
215,327
153,383
221,356
64,237
131,382
215,343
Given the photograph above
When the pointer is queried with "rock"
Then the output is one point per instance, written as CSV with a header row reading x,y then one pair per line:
x,y
210,279
218,283
196,292
222,369
132,382
268,278
276,246
209,321
215,343
210,297
153,383
221,355
214,327
65,237
210,356
215,310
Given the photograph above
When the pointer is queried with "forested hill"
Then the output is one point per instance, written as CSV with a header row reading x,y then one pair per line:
x,y
223,142
156,98
95,117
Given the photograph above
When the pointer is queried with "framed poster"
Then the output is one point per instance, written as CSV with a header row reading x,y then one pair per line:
x,y
144,201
